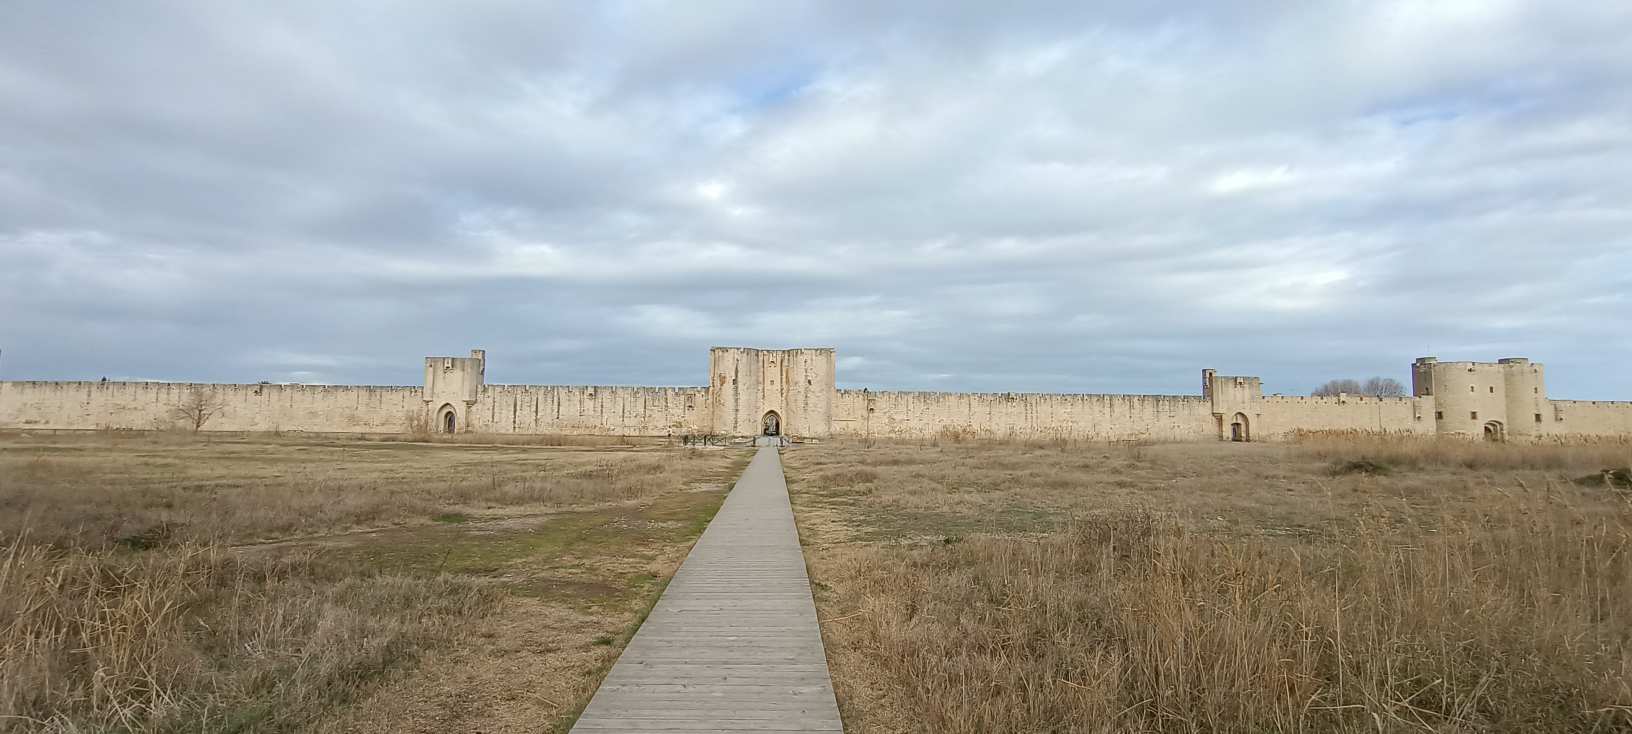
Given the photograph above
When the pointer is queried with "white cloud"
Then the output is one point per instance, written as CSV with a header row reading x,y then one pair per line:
x,y
1045,196
1252,179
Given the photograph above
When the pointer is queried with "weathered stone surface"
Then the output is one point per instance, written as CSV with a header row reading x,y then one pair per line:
x,y
750,389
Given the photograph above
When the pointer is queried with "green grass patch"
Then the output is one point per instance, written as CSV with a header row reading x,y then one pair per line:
x,y
1617,478
561,557
1368,467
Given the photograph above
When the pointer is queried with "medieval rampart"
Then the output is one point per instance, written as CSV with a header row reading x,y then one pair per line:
x,y
1281,416
151,405
1580,418
890,414
793,392
590,410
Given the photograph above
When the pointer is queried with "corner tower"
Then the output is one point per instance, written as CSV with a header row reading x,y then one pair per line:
x,y
788,391
1507,398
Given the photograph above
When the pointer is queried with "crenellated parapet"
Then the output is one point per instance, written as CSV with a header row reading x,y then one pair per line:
x,y
793,392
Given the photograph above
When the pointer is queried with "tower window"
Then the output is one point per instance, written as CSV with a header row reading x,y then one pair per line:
x,y
1538,417
1493,389
1470,388
1535,391
1473,414
1439,415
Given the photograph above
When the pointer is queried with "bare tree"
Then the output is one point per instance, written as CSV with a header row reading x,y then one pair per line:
x,y
197,408
1335,387
1383,387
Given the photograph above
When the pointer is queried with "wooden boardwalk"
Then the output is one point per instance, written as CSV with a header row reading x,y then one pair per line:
x,y
733,644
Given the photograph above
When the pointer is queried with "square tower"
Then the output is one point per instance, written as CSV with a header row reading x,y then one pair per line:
x,y
1237,402
753,392
452,385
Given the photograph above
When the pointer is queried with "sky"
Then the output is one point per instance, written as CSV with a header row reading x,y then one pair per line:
x,y
954,194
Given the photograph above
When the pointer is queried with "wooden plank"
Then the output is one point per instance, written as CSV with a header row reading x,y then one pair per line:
x,y
733,644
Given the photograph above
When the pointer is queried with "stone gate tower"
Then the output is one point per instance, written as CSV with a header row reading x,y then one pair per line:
x,y
789,391
1507,399
452,386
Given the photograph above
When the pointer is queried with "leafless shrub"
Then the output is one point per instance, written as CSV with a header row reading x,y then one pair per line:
x,y
197,407
1383,387
419,425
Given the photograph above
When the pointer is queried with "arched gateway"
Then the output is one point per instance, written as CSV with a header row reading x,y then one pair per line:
x,y
1240,429
771,425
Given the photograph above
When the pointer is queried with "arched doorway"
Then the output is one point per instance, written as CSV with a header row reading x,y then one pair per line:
x,y
447,421
771,425
1495,431
1240,429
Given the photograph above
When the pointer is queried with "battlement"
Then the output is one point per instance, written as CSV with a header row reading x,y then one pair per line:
x,y
752,391
1338,399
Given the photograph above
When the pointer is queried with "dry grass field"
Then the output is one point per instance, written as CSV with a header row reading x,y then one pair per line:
x,y
153,582
1335,584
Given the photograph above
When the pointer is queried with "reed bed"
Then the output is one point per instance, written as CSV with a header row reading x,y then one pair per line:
x,y
1412,452
197,638
1223,588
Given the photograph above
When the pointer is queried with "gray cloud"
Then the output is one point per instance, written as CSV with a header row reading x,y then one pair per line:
x,y
1046,196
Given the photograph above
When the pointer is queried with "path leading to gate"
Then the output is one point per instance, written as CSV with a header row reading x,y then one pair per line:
x,y
733,644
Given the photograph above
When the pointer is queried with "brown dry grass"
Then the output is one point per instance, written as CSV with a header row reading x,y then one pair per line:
x,y
195,637
494,582
1213,587
93,490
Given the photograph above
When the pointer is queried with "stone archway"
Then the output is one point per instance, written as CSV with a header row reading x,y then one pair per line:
x,y
447,419
1240,428
771,424
1495,431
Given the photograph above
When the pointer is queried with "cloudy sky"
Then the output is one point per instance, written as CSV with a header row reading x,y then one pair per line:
x,y
969,195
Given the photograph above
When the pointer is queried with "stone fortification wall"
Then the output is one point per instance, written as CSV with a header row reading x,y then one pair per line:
x,y
150,405
590,410
1280,416
525,409
1021,415
751,390
1588,418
